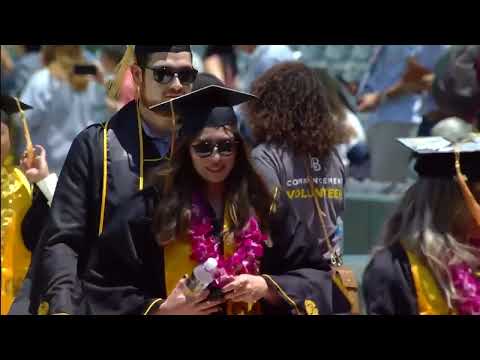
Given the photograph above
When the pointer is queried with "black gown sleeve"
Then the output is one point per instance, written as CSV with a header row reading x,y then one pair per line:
x,y
387,285
296,268
125,274
70,228
35,219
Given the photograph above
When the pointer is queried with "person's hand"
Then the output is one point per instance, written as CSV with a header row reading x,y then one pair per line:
x,y
417,77
38,169
427,81
246,288
180,304
369,102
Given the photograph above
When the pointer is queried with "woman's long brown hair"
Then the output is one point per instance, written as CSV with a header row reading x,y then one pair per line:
x,y
245,190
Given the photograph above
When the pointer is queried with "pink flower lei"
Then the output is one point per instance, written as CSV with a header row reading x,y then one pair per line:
x,y
467,285
248,245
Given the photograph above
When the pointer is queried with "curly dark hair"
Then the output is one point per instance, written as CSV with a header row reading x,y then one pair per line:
x,y
294,111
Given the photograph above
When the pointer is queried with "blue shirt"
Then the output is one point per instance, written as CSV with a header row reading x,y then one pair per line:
x,y
162,142
387,68
25,67
262,59
60,113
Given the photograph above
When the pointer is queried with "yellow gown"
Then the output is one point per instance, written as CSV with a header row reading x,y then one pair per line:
x,y
430,299
15,257
178,263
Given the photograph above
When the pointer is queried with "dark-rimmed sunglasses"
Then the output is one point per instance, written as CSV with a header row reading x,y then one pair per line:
x,y
165,74
206,148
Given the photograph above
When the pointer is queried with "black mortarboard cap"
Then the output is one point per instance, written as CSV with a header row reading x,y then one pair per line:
x,y
128,59
9,105
211,106
439,158
436,156
206,79
150,49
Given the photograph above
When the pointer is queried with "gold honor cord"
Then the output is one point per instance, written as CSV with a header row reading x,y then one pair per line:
x,y
26,131
105,169
104,179
140,141
174,131
472,204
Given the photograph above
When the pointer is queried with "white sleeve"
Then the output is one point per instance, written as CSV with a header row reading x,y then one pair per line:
x,y
356,124
47,186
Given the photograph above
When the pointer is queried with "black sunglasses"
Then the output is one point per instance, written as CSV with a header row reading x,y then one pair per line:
x,y
165,74
206,148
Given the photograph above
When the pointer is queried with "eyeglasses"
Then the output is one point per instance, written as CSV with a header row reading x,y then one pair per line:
x,y
165,74
206,148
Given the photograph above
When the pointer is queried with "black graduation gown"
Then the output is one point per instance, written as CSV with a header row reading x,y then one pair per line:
x,y
32,227
388,285
125,273
73,225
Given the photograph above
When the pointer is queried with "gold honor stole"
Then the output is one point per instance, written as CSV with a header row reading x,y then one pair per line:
x,y
430,299
178,263
15,257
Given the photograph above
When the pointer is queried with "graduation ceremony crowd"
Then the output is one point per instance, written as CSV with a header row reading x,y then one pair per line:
x,y
127,170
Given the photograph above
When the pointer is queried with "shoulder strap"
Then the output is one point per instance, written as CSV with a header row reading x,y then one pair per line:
x,y
335,258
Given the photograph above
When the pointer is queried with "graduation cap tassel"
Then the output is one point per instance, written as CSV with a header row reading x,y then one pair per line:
x,y
174,131
120,71
167,188
26,131
472,204
140,144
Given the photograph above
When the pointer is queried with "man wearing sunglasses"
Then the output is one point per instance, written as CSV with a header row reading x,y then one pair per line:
x,y
107,163
162,76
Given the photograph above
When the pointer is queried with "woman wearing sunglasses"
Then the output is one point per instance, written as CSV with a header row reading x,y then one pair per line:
x,y
209,204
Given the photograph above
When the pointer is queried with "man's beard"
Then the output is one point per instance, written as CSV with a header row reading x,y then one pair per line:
x,y
162,121
144,100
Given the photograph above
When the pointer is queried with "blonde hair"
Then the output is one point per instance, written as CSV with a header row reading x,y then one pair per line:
x,y
61,60
430,221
